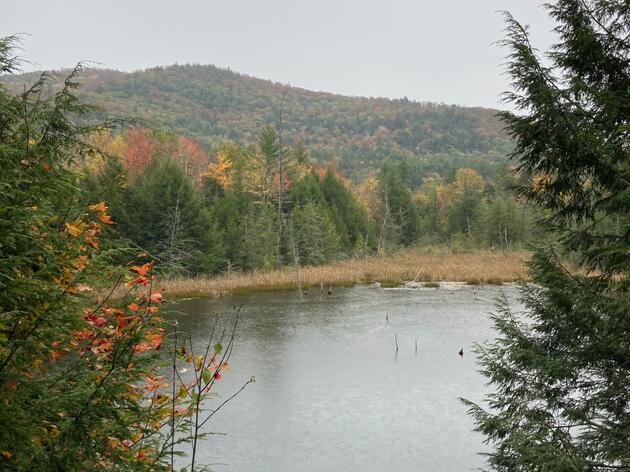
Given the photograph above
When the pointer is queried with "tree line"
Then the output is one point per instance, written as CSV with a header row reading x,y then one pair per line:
x,y
267,205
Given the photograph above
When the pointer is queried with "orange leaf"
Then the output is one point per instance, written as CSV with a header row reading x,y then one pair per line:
x,y
100,345
55,354
83,333
156,341
96,320
113,311
121,321
106,219
142,280
79,263
143,269
113,442
142,347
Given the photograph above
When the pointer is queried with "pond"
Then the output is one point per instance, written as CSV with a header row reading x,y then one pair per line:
x,y
332,393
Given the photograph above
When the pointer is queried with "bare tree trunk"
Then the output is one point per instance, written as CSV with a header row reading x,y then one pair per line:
x,y
367,234
381,238
467,222
174,229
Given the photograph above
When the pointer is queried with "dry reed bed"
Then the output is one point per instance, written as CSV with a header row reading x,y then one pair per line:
x,y
479,267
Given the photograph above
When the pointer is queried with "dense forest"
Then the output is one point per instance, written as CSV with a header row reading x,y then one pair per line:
x,y
268,205
214,105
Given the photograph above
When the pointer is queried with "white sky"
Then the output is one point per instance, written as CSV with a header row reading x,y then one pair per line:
x,y
434,50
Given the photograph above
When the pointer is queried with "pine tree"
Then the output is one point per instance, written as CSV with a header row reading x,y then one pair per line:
x,y
400,213
560,372
161,201
315,236
71,395
260,237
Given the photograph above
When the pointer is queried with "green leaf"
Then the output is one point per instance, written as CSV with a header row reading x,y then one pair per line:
x,y
206,376
218,347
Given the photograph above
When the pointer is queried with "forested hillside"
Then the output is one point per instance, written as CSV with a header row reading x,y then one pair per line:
x,y
214,105
208,183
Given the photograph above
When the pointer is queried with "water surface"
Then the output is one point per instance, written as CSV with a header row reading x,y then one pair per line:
x,y
331,392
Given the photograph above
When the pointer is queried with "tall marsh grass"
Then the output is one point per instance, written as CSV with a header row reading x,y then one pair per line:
x,y
478,267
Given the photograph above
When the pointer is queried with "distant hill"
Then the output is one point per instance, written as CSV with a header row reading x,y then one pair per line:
x,y
214,105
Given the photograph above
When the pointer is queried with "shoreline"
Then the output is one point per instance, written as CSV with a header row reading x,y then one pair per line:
x,y
426,267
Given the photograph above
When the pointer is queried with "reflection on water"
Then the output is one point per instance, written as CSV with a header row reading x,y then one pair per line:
x,y
330,391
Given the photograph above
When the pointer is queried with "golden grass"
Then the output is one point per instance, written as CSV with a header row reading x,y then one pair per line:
x,y
478,267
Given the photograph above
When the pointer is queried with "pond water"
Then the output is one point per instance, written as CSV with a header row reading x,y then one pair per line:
x,y
331,393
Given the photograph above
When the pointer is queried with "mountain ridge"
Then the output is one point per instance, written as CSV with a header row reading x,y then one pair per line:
x,y
214,105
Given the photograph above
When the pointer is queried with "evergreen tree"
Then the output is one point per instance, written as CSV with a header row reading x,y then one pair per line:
x,y
229,214
260,237
400,214
162,200
308,188
77,369
466,189
561,371
109,184
316,240
349,218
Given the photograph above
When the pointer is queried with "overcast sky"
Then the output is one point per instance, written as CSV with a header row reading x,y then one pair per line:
x,y
434,50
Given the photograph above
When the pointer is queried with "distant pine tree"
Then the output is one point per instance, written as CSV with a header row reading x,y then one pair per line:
x,y
315,236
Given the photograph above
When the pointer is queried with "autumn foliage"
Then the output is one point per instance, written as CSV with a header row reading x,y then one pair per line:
x,y
80,387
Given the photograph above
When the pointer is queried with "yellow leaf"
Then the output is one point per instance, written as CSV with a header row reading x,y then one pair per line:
x,y
75,228
98,207
161,398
